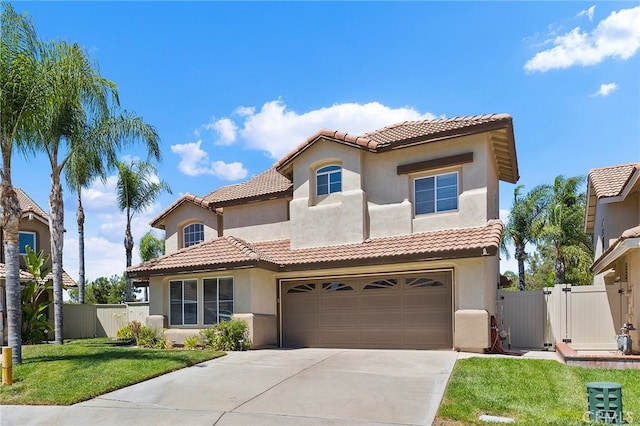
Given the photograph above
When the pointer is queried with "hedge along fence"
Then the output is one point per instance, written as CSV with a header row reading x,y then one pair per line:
x,y
88,321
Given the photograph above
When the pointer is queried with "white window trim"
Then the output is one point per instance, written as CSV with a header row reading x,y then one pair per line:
x,y
35,241
328,173
184,232
435,186
233,300
182,282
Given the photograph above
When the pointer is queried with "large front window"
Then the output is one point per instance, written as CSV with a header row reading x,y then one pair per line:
x,y
27,239
329,180
436,193
193,234
184,302
218,299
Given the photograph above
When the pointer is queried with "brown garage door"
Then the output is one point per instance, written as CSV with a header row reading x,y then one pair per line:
x,y
408,312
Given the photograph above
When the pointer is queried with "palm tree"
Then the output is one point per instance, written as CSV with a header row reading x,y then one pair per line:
x,y
92,159
149,248
564,223
75,91
137,190
524,224
20,91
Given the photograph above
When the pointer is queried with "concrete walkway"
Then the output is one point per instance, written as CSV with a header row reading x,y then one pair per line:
x,y
271,387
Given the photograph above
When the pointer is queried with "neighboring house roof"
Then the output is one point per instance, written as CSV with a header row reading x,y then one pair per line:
x,y
267,185
629,240
230,252
27,205
411,133
607,182
25,276
159,221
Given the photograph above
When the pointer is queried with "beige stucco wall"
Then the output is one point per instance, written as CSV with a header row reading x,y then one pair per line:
x,y
375,201
43,237
261,221
334,219
185,214
254,292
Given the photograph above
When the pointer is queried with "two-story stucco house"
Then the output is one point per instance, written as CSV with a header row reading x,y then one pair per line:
x,y
613,216
384,240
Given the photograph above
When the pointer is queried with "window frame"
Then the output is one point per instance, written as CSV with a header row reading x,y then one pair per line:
x,y
329,170
184,234
22,248
217,300
172,320
436,189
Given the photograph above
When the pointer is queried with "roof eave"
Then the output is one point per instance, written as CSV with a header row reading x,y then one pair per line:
x,y
610,256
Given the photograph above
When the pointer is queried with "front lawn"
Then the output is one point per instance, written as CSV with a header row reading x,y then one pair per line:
x,y
533,392
83,369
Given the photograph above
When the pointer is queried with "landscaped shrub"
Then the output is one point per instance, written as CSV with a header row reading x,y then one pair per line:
x,y
193,342
152,338
230,335
125,333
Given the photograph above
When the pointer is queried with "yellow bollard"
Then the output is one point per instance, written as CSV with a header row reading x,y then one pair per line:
x,y
7,365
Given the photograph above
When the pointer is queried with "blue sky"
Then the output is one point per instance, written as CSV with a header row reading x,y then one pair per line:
x,y
231,86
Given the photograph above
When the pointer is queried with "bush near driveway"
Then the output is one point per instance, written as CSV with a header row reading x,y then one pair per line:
x,y
533,392
84,369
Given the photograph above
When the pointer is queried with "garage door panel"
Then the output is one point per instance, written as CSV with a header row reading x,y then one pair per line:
x,y
338,301
381,299
338,318
380,318
374,312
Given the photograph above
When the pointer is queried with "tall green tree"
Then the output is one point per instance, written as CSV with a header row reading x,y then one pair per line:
x,y
75,93
20,97
563,228
93,158
525,222
103,290
149,248
137,189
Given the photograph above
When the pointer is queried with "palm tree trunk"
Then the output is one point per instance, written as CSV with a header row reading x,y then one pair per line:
x,y
56,226
559,267
520,256
10,222
80,219
128,246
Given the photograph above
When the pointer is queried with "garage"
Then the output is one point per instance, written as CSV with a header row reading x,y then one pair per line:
x,y
391,311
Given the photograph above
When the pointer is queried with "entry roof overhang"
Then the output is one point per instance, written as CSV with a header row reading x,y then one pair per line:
x,y
615,252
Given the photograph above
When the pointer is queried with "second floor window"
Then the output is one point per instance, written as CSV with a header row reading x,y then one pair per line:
x,y
27,239
193,234
436,193
328,180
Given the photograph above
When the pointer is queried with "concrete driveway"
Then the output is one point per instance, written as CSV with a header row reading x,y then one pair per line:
x,y
271,387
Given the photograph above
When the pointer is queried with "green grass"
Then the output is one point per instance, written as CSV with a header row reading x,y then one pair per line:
x,y
533,392
83,369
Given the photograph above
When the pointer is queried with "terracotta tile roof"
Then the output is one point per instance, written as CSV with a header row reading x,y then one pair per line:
x,y
230,252
26,276
266,185
158,221
606,182
407,132
610,181
28,205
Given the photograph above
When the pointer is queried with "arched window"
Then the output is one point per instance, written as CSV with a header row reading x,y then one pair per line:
x,y
329,180
193,234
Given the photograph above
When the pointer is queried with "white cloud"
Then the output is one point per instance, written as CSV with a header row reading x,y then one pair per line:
x,y
100,196
605,89
195,162
277,130
588,13
617,36
226,131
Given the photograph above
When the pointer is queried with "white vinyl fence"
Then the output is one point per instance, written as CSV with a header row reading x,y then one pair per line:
x,y
86,321
586,317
